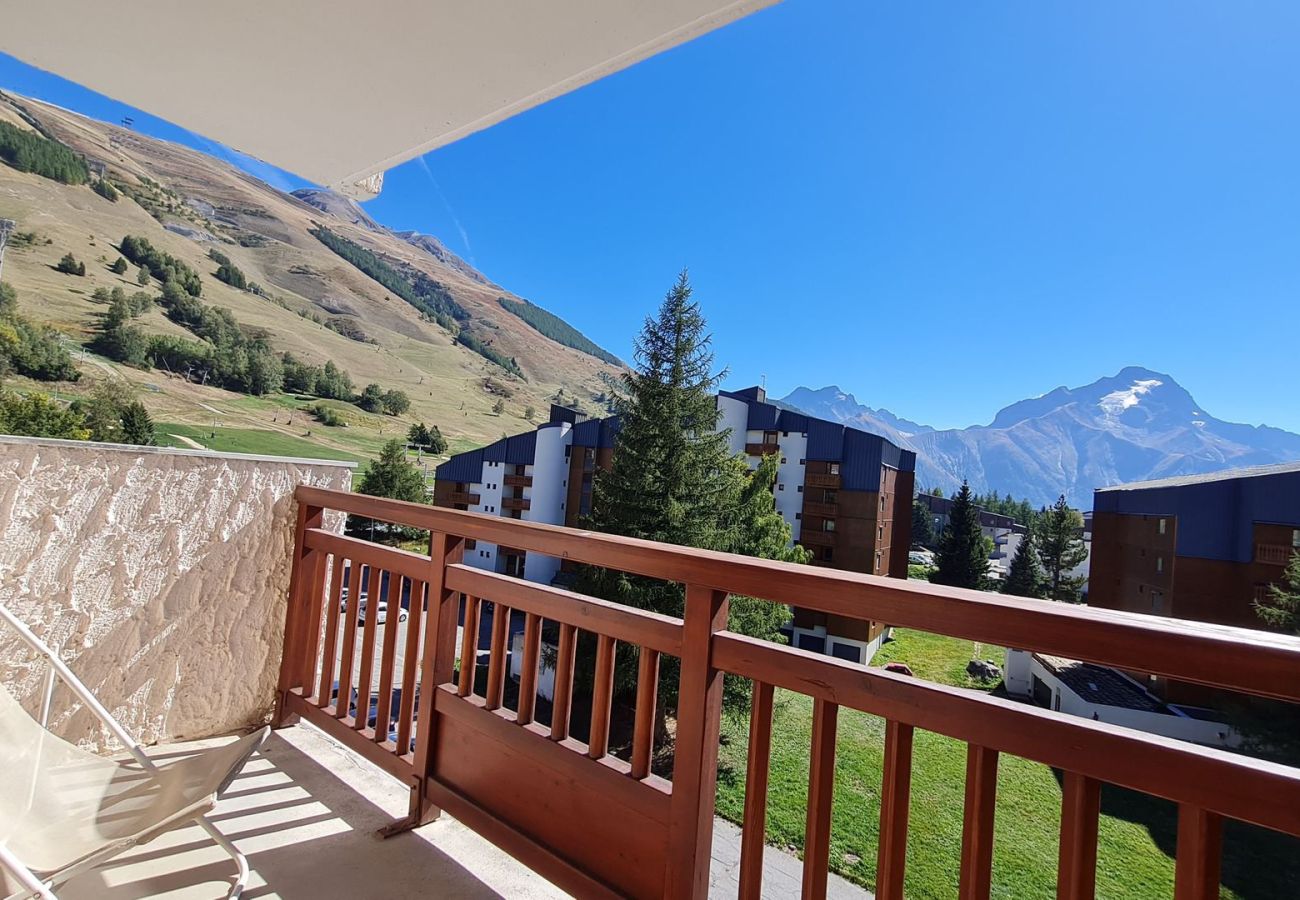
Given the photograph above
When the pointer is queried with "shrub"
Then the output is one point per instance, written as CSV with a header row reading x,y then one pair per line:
x,y
119,266
105,189
70,266
327,416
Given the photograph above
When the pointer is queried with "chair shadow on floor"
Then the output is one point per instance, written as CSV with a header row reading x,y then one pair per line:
x,y
307,834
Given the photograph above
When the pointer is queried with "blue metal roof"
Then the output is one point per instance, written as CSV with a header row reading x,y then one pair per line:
x,y
466,467
1216,517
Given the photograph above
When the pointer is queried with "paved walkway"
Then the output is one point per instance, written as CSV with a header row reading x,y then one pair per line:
x,y
306,811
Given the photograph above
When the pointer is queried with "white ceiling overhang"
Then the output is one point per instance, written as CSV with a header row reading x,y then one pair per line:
x,y
339,91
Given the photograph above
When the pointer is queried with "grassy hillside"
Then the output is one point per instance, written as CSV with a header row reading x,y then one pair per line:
x,y
292,292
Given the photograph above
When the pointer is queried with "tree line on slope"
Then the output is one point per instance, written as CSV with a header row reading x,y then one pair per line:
x,y
419,290
28,151
558,330
28,349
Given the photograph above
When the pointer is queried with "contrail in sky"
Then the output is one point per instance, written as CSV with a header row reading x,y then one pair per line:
x,y
464,235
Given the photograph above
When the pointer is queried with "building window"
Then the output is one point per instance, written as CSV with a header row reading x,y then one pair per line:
x,y
783,460
803,462
801,488
1160,563
785,434
1295,537
1162,525
880,531
780,487
833,468
798,516
828,524
827,554
877,560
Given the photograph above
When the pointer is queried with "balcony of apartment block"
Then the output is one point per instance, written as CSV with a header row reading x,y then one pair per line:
x,y
520,503
763,448
817,508
1274,554
466,498
821,480
816,537
481,788
522,481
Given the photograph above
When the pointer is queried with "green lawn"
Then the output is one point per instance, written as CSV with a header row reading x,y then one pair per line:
x,y
250,440
1136,833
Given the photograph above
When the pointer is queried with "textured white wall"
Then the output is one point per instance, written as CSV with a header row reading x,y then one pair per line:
x,y
549,470
161,574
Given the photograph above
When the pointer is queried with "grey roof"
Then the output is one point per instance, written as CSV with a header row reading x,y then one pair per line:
x,y
1287,468
1099,684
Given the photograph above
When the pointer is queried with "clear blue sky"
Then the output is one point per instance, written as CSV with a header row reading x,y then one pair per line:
x,y
941,207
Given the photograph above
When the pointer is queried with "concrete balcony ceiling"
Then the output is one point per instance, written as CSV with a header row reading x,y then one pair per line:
x,y
338,92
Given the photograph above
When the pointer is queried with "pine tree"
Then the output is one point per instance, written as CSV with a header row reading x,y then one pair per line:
x,y
393,475
1024,577
673,479
1060,549
963,557
137,425
1281,608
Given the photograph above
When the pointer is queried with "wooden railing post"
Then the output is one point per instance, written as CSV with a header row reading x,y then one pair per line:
x,y
437,663
695,763
301,578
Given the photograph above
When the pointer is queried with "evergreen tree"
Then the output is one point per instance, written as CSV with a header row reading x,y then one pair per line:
x,y
36,415
922,525
1281,608
1024,577
137,425
119,266
393,475
963,557
1060,549
70,266
673,479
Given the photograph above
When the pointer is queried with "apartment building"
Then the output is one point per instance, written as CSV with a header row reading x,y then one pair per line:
x,y
845,493
1202,547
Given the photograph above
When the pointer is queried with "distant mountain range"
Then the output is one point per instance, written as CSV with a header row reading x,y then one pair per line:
x,y
1132,426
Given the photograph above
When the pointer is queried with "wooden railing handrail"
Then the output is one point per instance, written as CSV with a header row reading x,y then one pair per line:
x,y
1240,659
1233,785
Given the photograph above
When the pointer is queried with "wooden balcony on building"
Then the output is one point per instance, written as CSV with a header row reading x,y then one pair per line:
x,y
1274,554
516,503
811,537
825,510
456,741
466,497
762,449
821,480
517,481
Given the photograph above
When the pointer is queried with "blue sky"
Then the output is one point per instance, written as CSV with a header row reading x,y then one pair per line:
x,y
940,207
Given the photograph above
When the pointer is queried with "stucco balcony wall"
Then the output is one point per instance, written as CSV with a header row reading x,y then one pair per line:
x,y
161,574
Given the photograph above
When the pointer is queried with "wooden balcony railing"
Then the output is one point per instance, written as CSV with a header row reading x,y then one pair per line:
x,y
516,503
821,480
1274,554
517,481
825,510
763,449
465,497
599,826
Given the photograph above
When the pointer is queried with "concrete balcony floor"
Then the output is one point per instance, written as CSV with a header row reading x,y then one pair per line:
x,y
306,811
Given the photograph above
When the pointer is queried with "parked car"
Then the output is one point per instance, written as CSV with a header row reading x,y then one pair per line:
x,y
363,593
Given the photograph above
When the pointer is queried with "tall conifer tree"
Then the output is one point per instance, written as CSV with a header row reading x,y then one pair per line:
x,y
1025,576
963,557
1060,549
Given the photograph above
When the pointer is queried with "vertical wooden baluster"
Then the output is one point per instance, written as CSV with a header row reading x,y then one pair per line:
x,y
410,667
1200,854
366,675
328,661
753,832
311,633
528,672
1076,875
469,647
563,682
308,517
602,696
977,824
436,665
821,794
643,731
695,764
496,677
384,712
344,700
895,794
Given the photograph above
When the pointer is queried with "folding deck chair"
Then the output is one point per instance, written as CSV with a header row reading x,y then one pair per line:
x,y
64,810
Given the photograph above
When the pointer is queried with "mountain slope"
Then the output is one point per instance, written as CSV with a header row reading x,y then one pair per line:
x,y
1133,426
187,203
